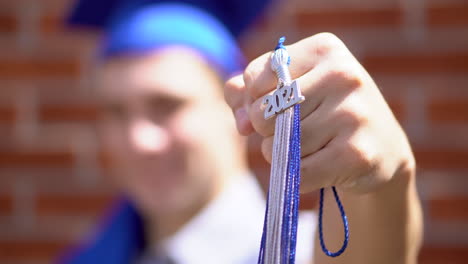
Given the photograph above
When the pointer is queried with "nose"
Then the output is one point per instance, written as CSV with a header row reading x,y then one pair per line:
x,y
146,137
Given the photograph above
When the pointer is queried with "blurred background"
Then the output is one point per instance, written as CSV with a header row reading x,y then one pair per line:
x,y
53,175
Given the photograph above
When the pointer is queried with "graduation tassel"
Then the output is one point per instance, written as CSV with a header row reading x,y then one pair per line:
x,y
278,243
280,227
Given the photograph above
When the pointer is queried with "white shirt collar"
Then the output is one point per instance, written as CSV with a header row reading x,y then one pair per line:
x,y
229,229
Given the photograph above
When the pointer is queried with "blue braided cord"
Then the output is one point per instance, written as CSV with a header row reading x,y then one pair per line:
x,y
295,164
287,230
288,220
345,225
261,255
286,225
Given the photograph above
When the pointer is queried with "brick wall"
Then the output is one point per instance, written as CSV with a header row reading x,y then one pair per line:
x,y
51,173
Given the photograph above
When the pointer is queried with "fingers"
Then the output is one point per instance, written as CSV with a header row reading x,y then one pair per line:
x,y
234,92
338,117
236,98
312,96
305,55
317,130
323,83
258,79
322,168
348,161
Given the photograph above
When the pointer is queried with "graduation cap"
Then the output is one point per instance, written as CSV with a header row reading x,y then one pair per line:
x,y
135,26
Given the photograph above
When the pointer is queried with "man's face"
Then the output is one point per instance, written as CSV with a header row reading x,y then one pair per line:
x,y
164,125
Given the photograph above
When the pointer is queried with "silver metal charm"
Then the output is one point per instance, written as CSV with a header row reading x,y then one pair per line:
x,y
282,98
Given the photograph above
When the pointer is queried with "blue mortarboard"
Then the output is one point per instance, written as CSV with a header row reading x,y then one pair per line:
x,y
141,25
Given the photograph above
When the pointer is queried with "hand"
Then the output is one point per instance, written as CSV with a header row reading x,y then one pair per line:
x,y
350,137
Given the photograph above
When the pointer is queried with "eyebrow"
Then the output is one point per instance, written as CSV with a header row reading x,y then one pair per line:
x,y
155,99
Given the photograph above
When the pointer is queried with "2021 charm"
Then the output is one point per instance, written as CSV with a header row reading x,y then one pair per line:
x,y
282,98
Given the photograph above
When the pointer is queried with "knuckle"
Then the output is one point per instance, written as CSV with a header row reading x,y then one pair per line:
x,y
263,127
326,43
233,91
248,76
345,76
229,86
234,99
351,118
251,74
362,158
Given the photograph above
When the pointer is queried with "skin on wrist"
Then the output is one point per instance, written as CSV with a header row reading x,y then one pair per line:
x,y
385,225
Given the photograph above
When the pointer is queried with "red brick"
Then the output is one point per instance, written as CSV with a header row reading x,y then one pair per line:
x,y
36,159
77,113
55,6
449,208
441,158
31,250
90,204
20,68
443,255
105,160
416,63
8,24
61,227
450,15
398,108
7,115
344,18
448,110
6,204
63,47
51,24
